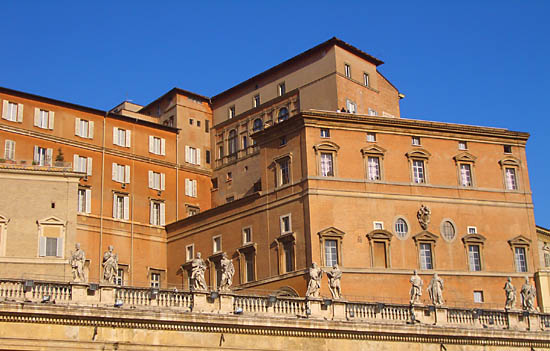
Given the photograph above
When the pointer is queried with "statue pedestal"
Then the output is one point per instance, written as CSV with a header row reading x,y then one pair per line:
x,y
226,303
201,302
440,316
107,295
80,294
338,310
534,322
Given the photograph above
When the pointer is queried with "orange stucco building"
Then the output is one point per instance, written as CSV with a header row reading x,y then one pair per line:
x,y
309,161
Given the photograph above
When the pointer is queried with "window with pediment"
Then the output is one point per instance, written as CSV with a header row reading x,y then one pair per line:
x,y
510,166
379,241
418,164
520,247
425,244
373,157
326,154
465,163
51,237
473,244
330,240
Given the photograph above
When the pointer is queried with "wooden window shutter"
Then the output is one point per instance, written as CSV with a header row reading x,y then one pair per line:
x,y
151,212
127,174
151,144
114,206
115,172
89,166
59,247
42,246
115,135
77,126
76,160
128,138
91,129
163,146
151,181
20,113
5,106
49,156
51,116
162,214
36,116
126,208
198,161
88,201
162,181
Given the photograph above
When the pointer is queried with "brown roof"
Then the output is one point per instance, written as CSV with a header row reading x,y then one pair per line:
x,y
329,43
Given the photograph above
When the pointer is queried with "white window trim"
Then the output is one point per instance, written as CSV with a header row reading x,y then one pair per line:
x,y
152,175
214,244
244,235
474,230
87,206
155,141
6,109
9,149
187,258
190,187
125,215
289,215
127,142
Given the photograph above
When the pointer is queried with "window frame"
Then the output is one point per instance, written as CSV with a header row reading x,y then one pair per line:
x,y
9,152
281,88
8,111
280,179
524,243
373,151
122,214
256,102
465,159
366,79
347,70
478,240
394,227
281,224
231,112
159,218
325,133
60,240
327,147
380,236
331,233
425,237
442,229
86,204
217,239
189,258
417,155
349,104
244,234
512,163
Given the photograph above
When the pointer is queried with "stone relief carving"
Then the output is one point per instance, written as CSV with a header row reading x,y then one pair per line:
x,y
77,260
314,285
416,288
110,265
228,270
510,292
435,290
424,215
528,294
198,267
334,275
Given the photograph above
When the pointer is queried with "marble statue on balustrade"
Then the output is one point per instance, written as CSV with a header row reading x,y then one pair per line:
x,y
228,270
198,268
528,294
416,288
77,261
110,265
510,292
314,285
424,216
334,275
435,290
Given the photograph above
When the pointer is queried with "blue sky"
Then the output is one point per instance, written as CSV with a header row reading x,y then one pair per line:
x,y
473,62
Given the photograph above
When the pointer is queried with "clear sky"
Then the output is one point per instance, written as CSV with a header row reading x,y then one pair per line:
x,y
474,62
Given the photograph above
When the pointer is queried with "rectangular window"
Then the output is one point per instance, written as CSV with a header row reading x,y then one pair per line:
x,y
521,259
122,137
371,137
256,101
249,263
42,156
327,166
189,252
331,252
366,79
121,173
84,128
220,152
378,225
9,150
245,141
465,174
206,126
282,89
157,213
84,200
119,280
155,280
416,141
462,145
191,187
121,206
157,145
82,164
231,112
207,156
43,119
284,171
372,112
191,121
507,149
373,168
351,106
216,244
472,230
51,246
474,258
478,296
347,70
379,251
286,225
426,261
247,235
192,210
12,111
157,181
511,181
288,249
325,133
192,155
418,171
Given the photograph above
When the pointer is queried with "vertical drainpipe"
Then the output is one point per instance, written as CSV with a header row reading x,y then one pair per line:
x,y
99,261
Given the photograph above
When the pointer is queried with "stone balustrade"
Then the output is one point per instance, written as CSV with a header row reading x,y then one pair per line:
x,y
267,306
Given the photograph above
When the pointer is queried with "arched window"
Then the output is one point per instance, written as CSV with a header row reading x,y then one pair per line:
x,y
401,228
283,114
232,141
258,125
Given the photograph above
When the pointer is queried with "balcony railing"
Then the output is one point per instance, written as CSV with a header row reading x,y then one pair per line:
x,y
42,292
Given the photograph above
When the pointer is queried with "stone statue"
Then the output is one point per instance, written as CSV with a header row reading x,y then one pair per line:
x,y
314,285
227,273
110,265
528,293
510,294
423,216
198,267
77,260
334,275
416,288
435,290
